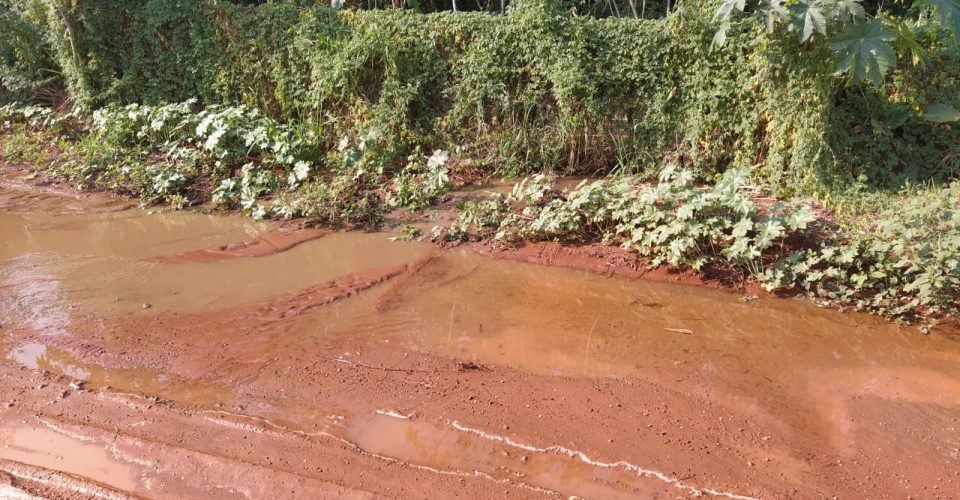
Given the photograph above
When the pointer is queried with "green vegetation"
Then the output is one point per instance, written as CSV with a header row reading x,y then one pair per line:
x,y
292,109
904,264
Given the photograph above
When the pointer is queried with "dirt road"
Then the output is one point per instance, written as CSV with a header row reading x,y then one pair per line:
x,y
182,355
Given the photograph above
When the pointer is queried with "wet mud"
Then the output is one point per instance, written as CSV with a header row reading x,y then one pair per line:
x,y
263,245
191,356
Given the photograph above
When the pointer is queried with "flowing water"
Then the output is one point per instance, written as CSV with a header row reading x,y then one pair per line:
x,y
78,273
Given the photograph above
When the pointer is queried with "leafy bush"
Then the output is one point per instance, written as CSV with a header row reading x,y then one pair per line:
x,y
881,138
158,152
673,222
901,263
35,117
865,44
172,153
418,186
27,70
905,264
537,89
219,135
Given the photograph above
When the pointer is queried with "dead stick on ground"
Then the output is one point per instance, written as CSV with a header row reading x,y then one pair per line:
x,y
354,364
450,328
586,353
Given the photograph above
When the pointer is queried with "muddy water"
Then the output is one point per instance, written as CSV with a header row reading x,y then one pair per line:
x,y
458,447
45,447
55,265
117,298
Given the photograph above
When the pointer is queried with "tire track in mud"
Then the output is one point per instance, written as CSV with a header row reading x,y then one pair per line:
x,y
160,442
164,462
583,457
270,243
32,481
296,303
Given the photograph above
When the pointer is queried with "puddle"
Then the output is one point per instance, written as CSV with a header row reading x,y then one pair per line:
x,y
139,381
55,266
455,449
53,450
786,365
29,355
572,323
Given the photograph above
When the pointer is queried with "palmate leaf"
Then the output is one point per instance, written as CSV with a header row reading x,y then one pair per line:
x,y
906,41
725,11
808,18
865,52
949,12
723,14
849,10
942,113
773,13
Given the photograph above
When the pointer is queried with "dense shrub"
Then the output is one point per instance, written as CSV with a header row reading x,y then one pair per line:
x,y
903,263
27,69
535,89
287,109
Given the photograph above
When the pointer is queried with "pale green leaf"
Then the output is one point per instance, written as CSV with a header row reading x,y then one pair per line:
x,y
725,11
808,18
850,10
301,170
949,13
773,13
724,14
720,37
942,113
865,52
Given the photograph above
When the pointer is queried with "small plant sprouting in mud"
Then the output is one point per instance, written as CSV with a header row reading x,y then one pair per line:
x,y
420,185
408,233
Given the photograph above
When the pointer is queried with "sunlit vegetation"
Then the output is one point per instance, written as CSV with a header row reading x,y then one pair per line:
x,y
687,112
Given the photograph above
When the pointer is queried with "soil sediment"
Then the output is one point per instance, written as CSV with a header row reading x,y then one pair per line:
x,y
392,369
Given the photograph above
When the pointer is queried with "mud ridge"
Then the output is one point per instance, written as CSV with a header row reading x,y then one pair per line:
x,y
359,449
294,304
38,480
611,261
583,457
267,244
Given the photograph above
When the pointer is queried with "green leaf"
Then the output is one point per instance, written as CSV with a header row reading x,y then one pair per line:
x,y
906,39
942,113
723,14
865,52
949,13
773,13
851,10
725,11
808,19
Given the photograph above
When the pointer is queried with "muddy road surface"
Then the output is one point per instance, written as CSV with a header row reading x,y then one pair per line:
x,y
178,355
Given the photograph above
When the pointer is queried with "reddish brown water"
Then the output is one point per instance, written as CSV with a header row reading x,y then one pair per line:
x,y
450,369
